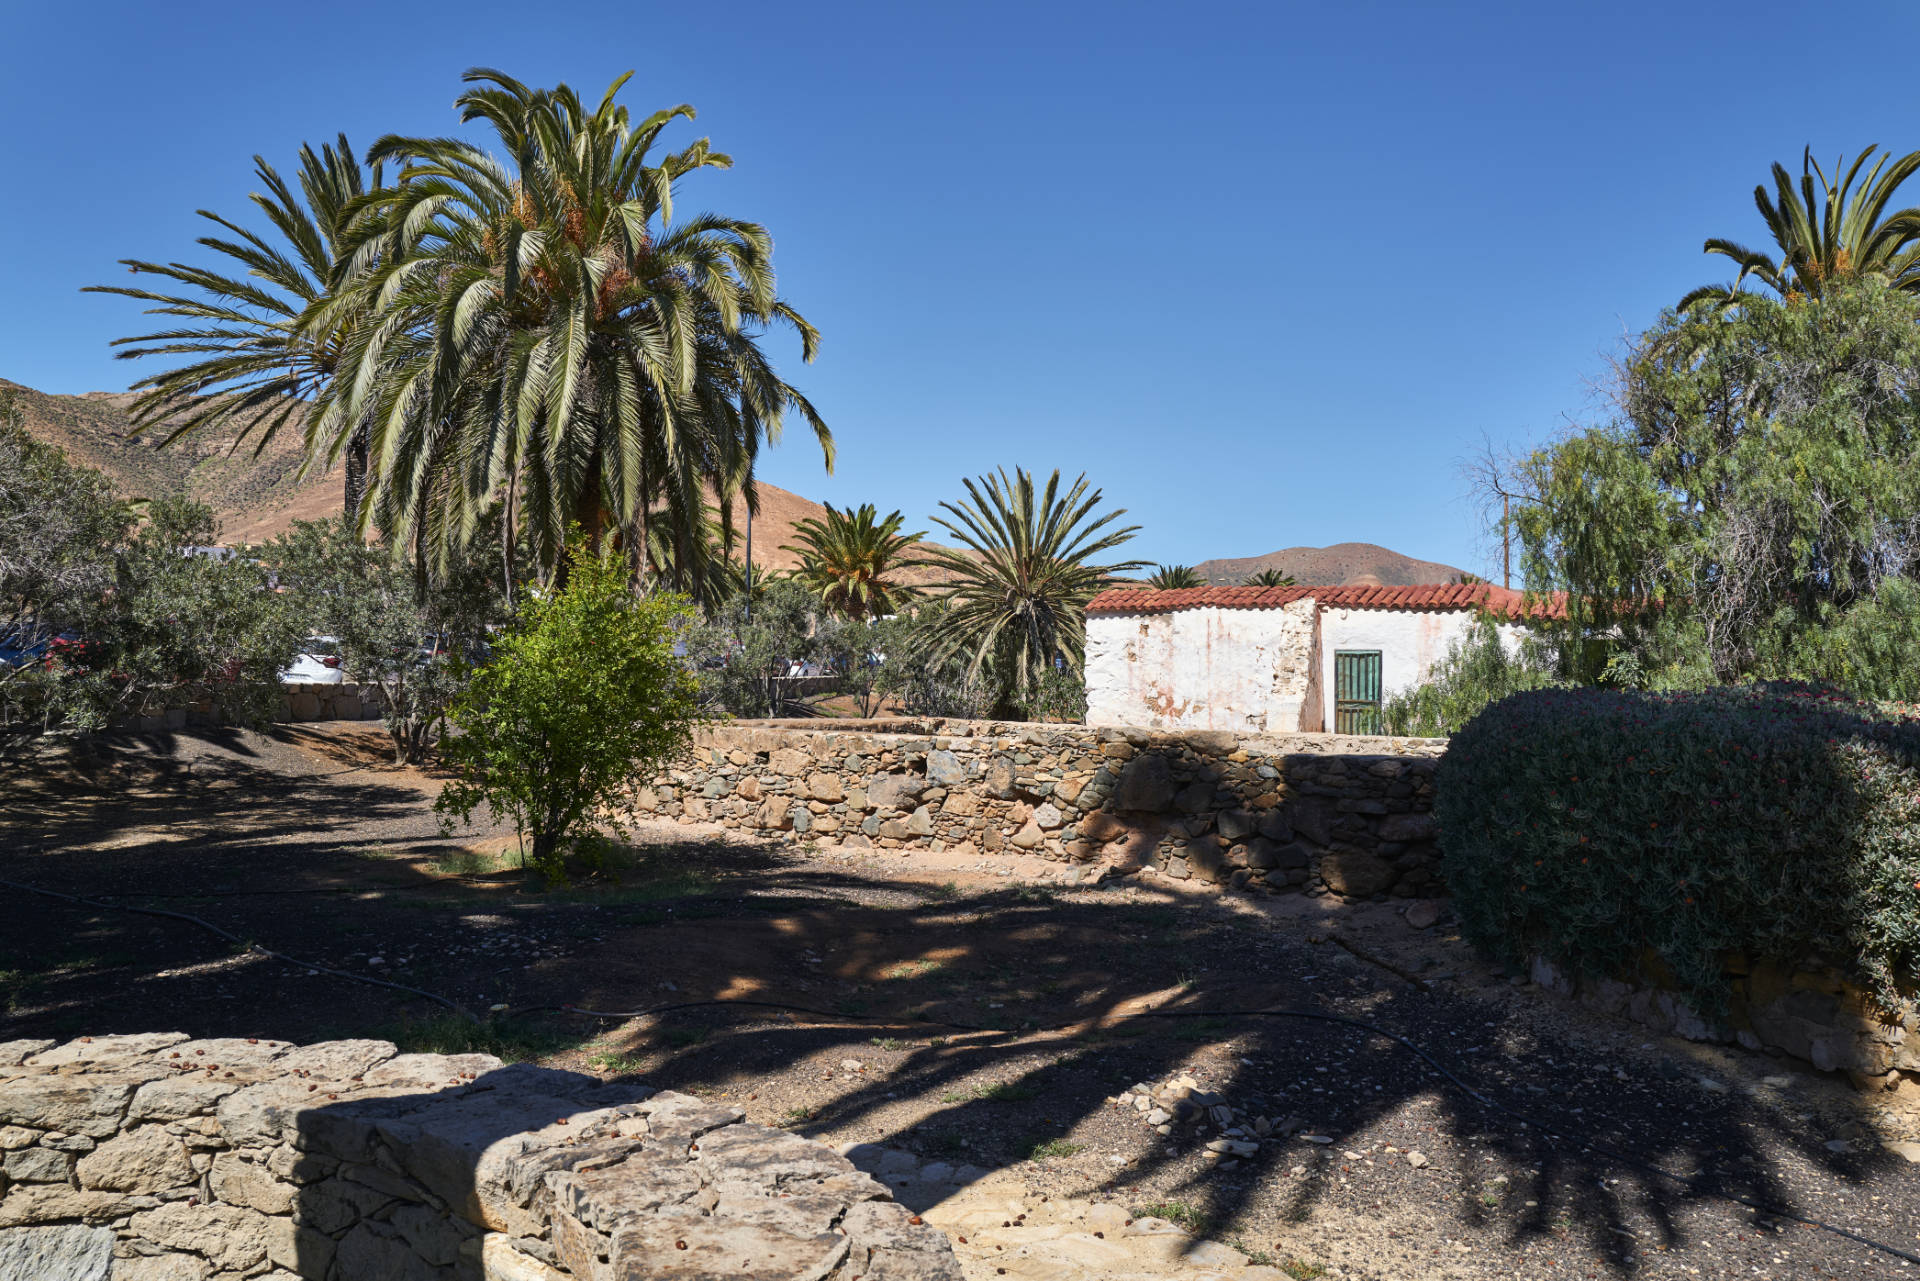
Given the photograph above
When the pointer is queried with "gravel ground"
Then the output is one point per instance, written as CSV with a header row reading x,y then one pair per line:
x,y
305,842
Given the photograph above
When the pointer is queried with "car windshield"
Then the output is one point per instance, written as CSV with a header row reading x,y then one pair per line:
x,y
321,646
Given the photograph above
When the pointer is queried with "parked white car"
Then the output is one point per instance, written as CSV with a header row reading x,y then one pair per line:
x,y
318,663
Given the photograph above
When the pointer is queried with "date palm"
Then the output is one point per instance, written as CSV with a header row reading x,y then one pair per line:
x,y
1827,230
1174,577
1268,578
1016,603
849,560
255,367
546,337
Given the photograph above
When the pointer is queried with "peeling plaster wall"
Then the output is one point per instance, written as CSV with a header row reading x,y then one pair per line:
x,y
1410,643
1244,670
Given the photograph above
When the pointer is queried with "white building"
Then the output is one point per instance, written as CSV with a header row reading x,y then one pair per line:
x,y
1273,659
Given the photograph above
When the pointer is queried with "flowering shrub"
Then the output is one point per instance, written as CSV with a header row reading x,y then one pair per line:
x,y
1778,821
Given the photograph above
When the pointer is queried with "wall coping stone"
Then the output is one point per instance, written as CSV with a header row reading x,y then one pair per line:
x,y
349,1160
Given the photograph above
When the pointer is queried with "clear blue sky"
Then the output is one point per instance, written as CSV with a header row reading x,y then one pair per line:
x,y
1266,273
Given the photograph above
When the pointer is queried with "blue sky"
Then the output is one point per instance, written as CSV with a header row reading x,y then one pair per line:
x,y
1266,273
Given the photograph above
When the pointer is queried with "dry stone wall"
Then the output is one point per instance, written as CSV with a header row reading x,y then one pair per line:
x,y
1315,813
154,1157
343,702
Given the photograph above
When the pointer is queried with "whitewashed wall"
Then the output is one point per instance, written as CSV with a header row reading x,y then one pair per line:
x,y
1247,670
1410,643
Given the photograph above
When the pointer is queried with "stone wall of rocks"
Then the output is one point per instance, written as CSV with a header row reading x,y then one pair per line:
x,y
1307,812
154,1157
1810,1013
343,702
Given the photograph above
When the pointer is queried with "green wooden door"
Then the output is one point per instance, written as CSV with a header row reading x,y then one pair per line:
x,y
1356,691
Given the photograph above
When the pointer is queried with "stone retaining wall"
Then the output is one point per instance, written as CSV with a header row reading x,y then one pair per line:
x,y
1304,812
343,702
1810,1013
158,1158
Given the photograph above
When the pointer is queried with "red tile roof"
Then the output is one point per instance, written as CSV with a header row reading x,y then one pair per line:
x,y
1423,597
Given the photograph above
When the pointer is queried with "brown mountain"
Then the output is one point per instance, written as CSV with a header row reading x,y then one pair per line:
x,y
256,497
1338,565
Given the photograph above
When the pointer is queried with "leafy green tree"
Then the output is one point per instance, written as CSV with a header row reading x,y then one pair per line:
x,y
858,652
1268,578
1763,478
544,331
850,560
415,643
60,526
100,619
1016,603
745,649
1478,669
923,676
1827,232
1175,577
1871,649
584,693
267,339
175,630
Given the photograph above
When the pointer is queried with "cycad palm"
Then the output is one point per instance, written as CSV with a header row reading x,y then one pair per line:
x,y
544,333
1827,230
1017,599
256,366
849,560
1268,578
1175,577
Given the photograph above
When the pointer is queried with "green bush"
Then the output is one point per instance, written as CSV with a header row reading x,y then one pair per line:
x,y
584,694
1597,826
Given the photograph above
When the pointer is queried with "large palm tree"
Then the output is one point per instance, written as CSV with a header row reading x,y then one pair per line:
x,y
544,334
1827,230
1174,577
849,560
255,367
1022,577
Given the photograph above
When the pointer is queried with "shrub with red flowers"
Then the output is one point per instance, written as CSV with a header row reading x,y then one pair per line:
x,y
1776,821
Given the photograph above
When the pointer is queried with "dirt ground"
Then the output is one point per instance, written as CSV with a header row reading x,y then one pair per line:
x,y
965,1018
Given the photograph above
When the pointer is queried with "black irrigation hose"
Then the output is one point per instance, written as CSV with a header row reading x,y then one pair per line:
x,y
1695,1182
251,947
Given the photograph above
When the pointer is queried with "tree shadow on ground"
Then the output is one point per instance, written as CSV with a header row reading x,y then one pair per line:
x,y
734,922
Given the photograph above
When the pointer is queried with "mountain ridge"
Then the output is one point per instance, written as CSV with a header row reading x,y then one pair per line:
x,y
258,494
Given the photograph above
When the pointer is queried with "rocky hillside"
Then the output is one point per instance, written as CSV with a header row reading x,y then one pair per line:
x,y
1337,565
257,496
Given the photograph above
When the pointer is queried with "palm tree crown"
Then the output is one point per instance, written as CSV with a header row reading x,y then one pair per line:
x,y
848,558
1268,578
1827,230
1020,583
255,366
1174,577
541,331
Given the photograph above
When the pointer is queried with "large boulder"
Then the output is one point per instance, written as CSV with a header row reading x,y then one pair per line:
x,y
895,791
1356,873
945,769
69,1252
1146,784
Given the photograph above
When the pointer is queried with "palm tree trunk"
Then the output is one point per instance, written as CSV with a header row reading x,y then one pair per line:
x,y
357,446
